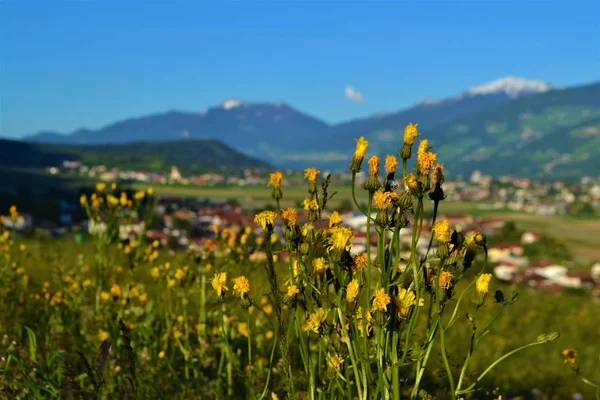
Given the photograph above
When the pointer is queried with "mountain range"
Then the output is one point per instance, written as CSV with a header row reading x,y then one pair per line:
x,y
511,125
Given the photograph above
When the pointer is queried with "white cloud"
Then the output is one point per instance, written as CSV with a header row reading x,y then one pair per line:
x,y
353,95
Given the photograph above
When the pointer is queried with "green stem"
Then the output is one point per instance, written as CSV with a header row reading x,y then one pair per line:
x,y
498,361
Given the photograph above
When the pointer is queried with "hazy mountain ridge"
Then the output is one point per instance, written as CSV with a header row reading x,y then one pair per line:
x,y
508,119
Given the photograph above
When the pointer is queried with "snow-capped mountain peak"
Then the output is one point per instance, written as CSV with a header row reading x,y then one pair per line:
x,y
230,103
511,86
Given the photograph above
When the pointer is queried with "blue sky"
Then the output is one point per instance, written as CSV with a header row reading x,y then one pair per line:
x,y
65,65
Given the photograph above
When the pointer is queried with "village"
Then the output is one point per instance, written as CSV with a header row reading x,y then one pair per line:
x,y
558,197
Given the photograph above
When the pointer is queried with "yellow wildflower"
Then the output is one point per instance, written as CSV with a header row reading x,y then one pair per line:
x,y
335,362
391,164
410,133
441,231
334,219
115,290
139,195
265,219
381,300
384,199
243,329
437,175
113,186
339,239
311,174
290,216
352,291
482,284
83,199
570,356
359,261
374,165
315,320
112,200
269,335
241,286
155,272
150,191
406,299
171,283
292,291
310,205
359,154
218,283
105,296
86,283
275,179
319,266
425,161
179,274
100,186
123,200
103,335
411,181
161,354
423,147
143,297
445,280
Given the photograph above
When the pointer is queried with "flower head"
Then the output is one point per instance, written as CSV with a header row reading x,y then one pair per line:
x,y
241,286
438,175
218,283
425,161
410,133
319,266
311,174
445,280
359,154
335,362
334,219
374,165
275,179
310,205
406,299
100,186
441,231
570,356
381,300
384,199
290,216
292,291
423,147
352,291
315,320
265,219
391,164
411,182
482,284
339,239
359,261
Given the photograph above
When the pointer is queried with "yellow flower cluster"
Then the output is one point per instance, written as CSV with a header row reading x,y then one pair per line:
x,y
310,205
441,231
275,179
265,219
381,300
315,320
410,133
311,174
384,199
290,216
218,283
241,286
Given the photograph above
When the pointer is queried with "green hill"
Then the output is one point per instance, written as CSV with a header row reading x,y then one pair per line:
x,y
190,156
550,135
